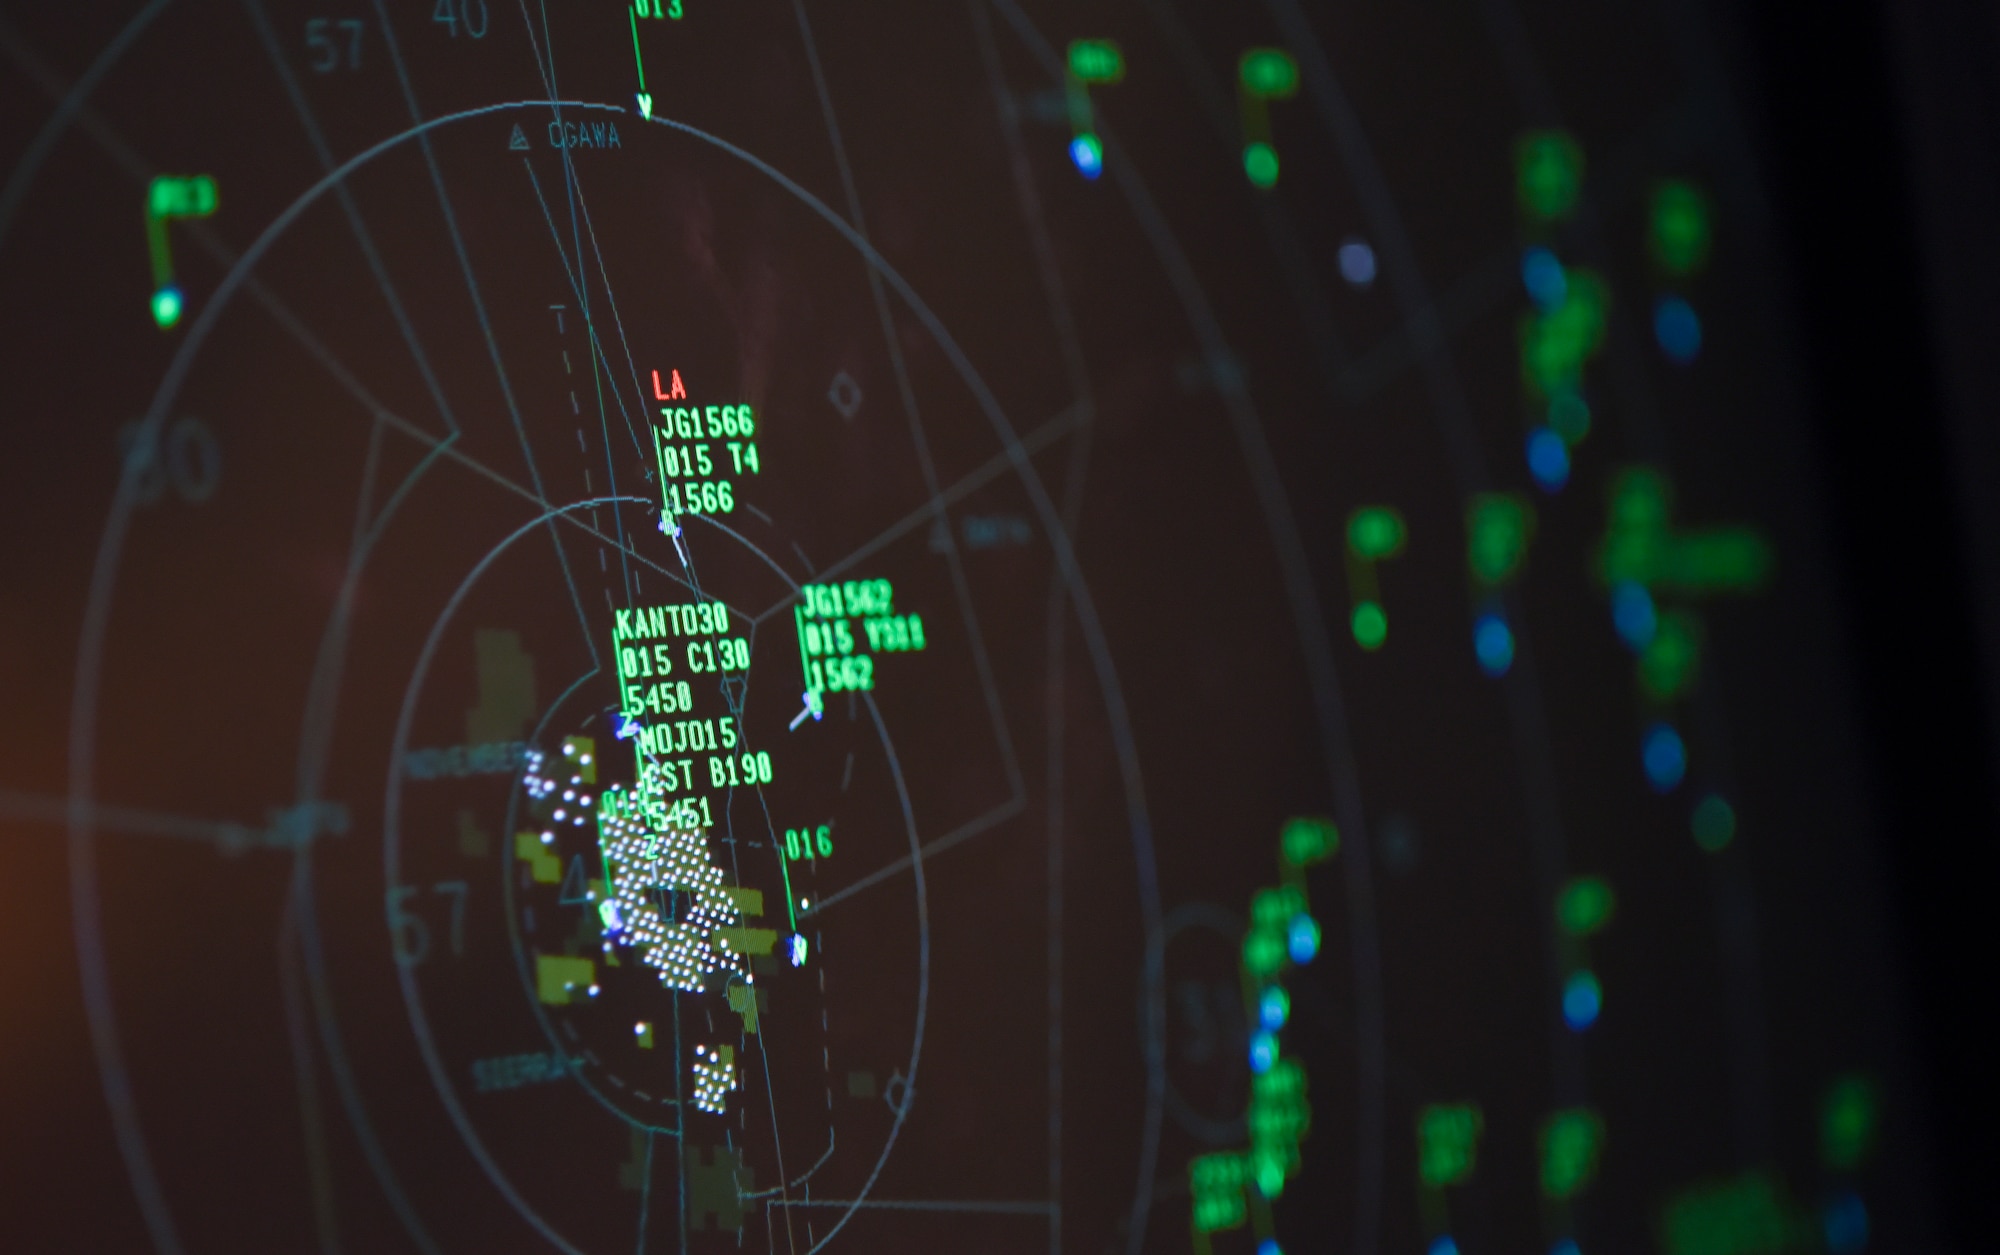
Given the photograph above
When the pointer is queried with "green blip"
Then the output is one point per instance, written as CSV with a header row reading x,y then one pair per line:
x,y
1640,546
1584,905
1848,1119
1556,344
1548,174
1096,61
1569,416
1371,626
1571,1143
1376,531
1268,73
1260,164
1669,661
1448,1143
1714,823
1679,229
1751,1214
167,307
1304,841
1498,526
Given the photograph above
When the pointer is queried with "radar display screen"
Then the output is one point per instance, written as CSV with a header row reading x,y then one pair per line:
x,y
764,625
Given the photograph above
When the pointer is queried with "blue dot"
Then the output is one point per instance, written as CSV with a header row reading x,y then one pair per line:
x,y
1493,641
1274,1008
1543,276
1443,1245
1565,1247
1302,939
1633,615
1088,155
1269,1246
1548,459
1665,757
1357,263
1263,1052
1677,329
1845,1221
1583,998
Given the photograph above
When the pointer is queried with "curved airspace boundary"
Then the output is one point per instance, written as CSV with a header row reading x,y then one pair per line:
x,y
87,917
87,923
45,139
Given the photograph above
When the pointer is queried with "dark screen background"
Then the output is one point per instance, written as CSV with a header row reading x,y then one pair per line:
x,y
1106,434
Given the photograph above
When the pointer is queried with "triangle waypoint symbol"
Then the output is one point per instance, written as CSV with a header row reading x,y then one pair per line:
x,y
575,888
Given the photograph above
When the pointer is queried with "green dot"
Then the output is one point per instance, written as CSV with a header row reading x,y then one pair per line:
x,y
1371,626
1448,1143
1263,952
1498,524
1548,174
167,307
1569,414
1680,231
1571,1141
1269,1169
1714,823
1848,1118
1268,73
1375,531
1260,162
1305,841
1667,665
1096,61
1584,906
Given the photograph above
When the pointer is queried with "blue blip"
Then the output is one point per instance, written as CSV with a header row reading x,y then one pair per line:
x,y
1548,459
1678,329
1302,939
1263,1052
1493,641
1633,614
1583,999
1665,757
1274,1008
1845,1223
1357,263
1542,274
1088,156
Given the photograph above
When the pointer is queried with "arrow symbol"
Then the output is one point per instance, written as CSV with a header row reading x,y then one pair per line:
x,y
645,97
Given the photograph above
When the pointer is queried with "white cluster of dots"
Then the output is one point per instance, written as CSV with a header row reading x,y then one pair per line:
x,y
574,807
576,800
645,850
538,785
649,847
714,1076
